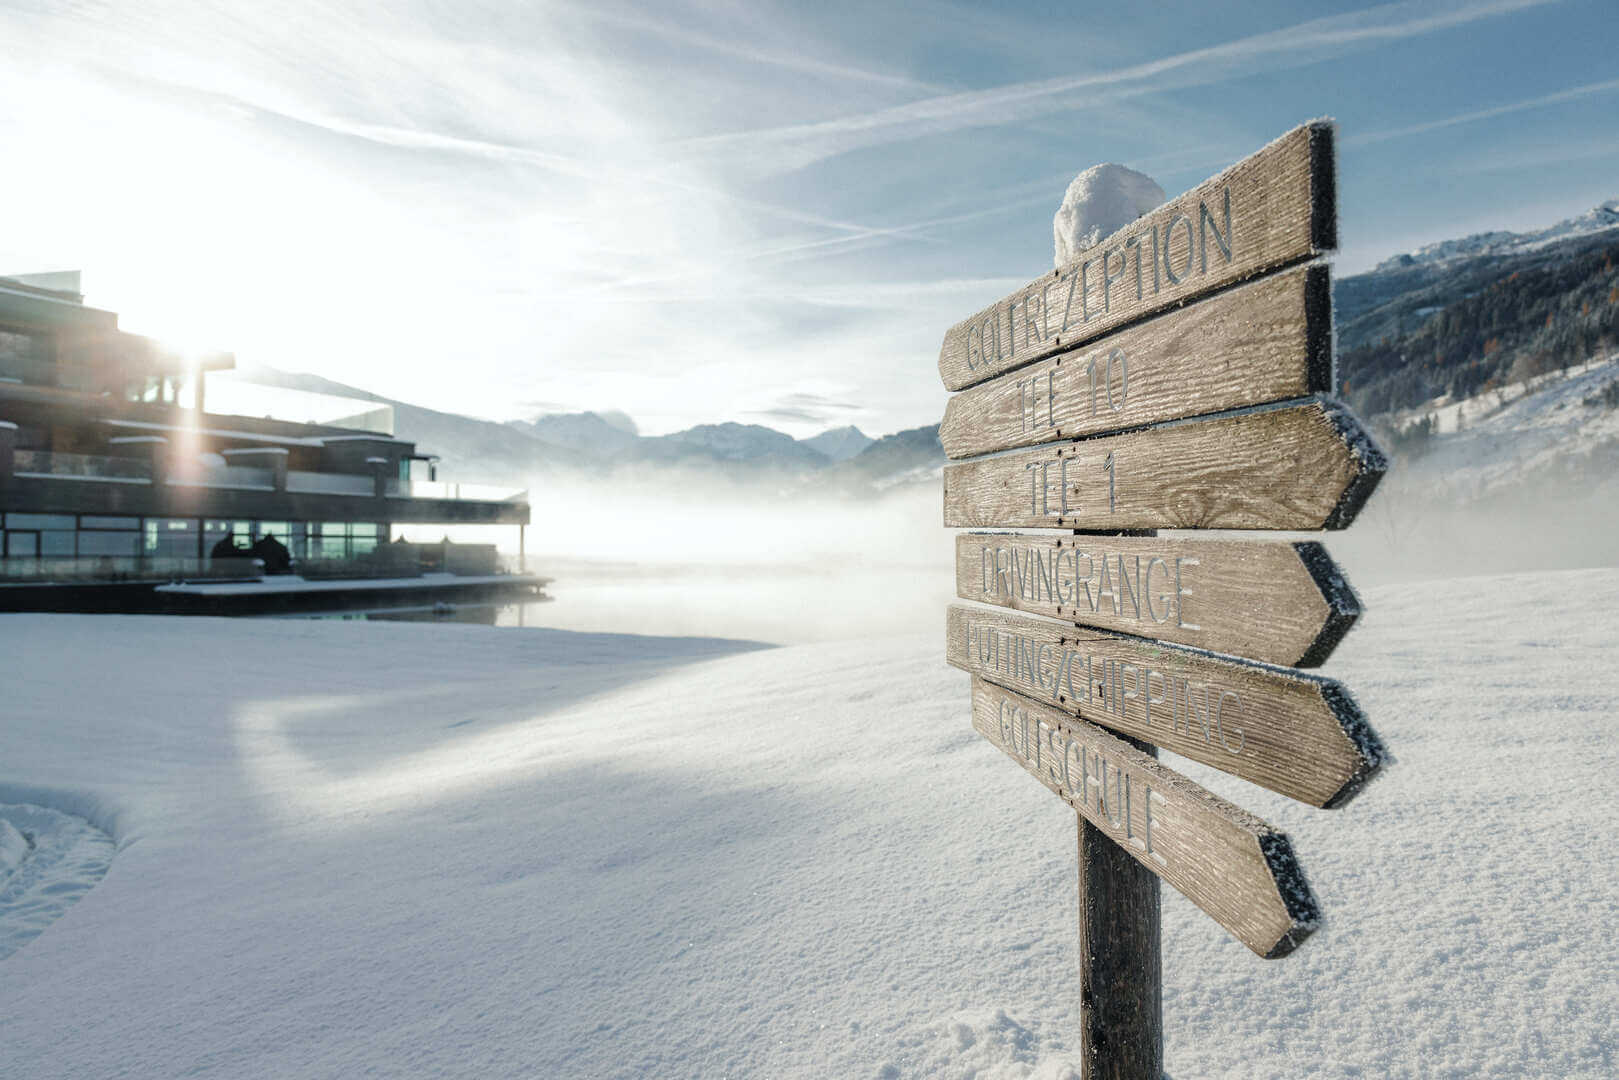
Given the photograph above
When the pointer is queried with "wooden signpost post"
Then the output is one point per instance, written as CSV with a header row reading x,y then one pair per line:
x,y
1176,375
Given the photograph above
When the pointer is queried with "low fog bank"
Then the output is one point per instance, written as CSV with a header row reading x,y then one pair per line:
x,y
718,559
1517,479
1525,477
695,524
785,571
1405,535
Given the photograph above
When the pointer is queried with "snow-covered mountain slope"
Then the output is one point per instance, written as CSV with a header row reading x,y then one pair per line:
x,y
350,849
1559,430
1601,218
1524,476
1401,292
907,457
751,444
591,433
839,444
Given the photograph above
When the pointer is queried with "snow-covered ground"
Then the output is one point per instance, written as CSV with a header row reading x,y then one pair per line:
x,y
356,849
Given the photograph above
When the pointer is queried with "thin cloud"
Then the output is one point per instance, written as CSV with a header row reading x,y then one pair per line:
x,y
809,65
1571,94
793,416
803,407
817,401
795,146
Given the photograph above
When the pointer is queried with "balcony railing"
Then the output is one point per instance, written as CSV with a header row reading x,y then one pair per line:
x,y
330,483
81,467
436,489
224,476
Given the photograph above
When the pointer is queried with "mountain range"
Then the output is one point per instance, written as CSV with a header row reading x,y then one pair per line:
x,y
552,444
1442,323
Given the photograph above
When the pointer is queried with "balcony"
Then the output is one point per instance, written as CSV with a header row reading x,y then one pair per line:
x,y
49,465
59,466
38,481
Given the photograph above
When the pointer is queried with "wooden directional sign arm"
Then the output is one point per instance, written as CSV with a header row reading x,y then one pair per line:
x,y
1231,864
1298,465
1268,340
1297,734
1277,601
1268,211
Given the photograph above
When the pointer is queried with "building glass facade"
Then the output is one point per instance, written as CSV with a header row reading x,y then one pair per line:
x,y
66,536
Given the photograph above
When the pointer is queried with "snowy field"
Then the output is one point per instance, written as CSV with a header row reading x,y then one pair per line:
x,y
379,849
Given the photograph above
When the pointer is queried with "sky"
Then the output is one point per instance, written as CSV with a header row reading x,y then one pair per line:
x,y
699,212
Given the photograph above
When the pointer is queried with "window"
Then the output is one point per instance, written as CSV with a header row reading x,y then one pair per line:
x,y
94,521
56,543
242,533
23,357
41,521
170,538
297,539
122,544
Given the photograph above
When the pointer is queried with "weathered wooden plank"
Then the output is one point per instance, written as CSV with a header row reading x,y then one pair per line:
x,y
1272,209
1228,862
1297,734
1272,600
1308,465
1265,341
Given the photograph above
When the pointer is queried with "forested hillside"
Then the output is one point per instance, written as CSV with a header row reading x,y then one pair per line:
x,y
1479,325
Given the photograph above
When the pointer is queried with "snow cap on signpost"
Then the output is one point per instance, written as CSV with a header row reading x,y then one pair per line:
x,y
1100,201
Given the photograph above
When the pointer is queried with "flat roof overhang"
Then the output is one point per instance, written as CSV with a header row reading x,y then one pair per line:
x,y
208,427
59,495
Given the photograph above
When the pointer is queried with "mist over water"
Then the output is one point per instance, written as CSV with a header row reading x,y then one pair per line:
x,y
716,560
689,557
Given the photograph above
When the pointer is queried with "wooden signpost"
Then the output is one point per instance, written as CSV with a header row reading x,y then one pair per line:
x,y
1176,375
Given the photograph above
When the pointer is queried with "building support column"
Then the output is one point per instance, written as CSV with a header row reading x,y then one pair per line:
x,y
522,549
8,451
379,476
